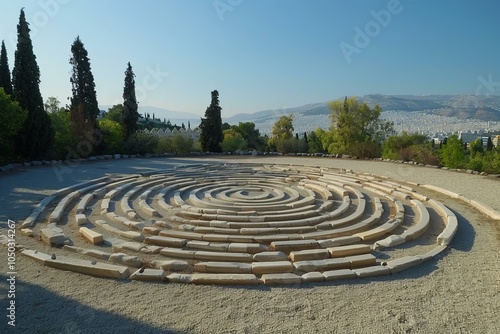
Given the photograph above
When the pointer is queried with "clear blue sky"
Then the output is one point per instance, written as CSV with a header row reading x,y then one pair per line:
x,y
262,54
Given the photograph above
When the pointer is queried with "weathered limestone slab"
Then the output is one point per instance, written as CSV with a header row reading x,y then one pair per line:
x,y
270,256
390,241
181,234
130,246
151,249
251,248
340,241
260,268
133,225
153,230
26,231
81,219
314,276
441,190
80,266
180,278
342,251
165,241
360,261
148,275
449,231
83,203
309,254
178,253
291,245
215,237
220,256
92,236
128,260
53,236
223,267
36,255
283,278
486,209
172,265
224,279
372,271
403,263
379,231
333,275
421,226
322,265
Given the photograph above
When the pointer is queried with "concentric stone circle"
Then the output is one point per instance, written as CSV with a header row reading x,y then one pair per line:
x,y
240,224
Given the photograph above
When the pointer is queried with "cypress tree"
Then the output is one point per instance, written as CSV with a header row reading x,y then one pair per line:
x,y
5,82
84,108
130,107
37,136
211,126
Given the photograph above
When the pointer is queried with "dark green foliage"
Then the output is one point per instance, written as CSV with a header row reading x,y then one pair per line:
x,y
356,129
84,108
254,141
115,113
453,153
211,126
36,138
64,140
5,82
12,118
140,143
130,107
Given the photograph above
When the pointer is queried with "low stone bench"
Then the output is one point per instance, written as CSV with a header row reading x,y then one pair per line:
x,y
84,201
360,209
165,241
80,266
291,245
379,231
309,254
340,241
219,279
322,265
223,267
260,268
311,277
403,263
270,257
343,251
53,235
421,226
172,265
92,236
250,248
181,235
372,271
390,241
178,253
333,275
208,246
280,279
223,257
360,261
148,275
128,260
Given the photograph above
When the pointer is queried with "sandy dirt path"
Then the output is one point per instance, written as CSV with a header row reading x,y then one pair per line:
x,y
457,293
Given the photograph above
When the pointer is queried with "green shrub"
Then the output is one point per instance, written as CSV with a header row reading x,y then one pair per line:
x,y
141,143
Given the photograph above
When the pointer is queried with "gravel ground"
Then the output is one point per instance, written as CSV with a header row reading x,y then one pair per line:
x,y
457,293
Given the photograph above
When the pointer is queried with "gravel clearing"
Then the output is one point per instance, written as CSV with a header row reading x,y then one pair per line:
x,y
457,293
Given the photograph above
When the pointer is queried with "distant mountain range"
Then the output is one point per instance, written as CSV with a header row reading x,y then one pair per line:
x,y
481,107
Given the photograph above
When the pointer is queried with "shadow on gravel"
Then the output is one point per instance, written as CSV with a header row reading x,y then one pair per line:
x,y
38,310
464,239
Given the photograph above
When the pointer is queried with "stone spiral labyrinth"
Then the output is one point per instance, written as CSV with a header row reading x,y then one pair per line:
x,y
239,224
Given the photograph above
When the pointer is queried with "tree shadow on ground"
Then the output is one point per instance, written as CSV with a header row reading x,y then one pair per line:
x,y
39,310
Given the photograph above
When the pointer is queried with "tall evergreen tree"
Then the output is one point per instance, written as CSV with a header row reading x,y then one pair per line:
x,y
84,108
5,82
211,126
130,107
37,136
